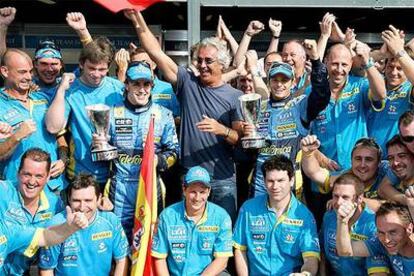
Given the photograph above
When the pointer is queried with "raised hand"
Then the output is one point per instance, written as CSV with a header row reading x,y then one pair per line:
x,y
254,28
76,21
122,59
76,219
5,130
326,24
275,27
311,48
26,128
309,144
345,211
7,15
394,40
66,81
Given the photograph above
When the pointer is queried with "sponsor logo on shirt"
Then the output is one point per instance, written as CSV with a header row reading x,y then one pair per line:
x,y
46,216
358,237
124,158
3,239
123,122
102,235
177,232
260,237
276,150
294,222
161,97
286,127
207,229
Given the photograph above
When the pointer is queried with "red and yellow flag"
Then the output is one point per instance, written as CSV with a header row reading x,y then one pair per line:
x,y
145,210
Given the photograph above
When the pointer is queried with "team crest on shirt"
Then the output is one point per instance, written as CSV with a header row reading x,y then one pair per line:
x,y
102,247
351,108
3,239
392,109
290,238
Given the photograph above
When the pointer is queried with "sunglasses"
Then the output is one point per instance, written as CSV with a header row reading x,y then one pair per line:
x,y
407,139
276,64
137,63
208,61
47,44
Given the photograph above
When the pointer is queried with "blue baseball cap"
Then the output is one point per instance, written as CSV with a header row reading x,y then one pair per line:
x,y
197,174
48,53
281,68
139,71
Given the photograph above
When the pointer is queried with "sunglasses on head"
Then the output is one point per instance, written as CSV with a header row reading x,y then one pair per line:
x,y
276,64
47,44
137,63
407,139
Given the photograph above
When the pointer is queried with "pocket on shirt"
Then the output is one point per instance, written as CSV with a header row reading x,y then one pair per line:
x,y
289,241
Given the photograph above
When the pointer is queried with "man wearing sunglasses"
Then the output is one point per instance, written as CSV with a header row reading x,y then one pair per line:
x,y
210,111
129,123
406,127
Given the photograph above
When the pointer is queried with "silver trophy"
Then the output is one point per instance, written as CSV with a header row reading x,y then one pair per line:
x,y
251,106
99,116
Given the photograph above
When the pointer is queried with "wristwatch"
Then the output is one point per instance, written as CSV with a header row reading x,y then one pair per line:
x,y
400,53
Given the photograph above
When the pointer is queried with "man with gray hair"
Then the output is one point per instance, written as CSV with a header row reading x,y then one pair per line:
x,y
210,113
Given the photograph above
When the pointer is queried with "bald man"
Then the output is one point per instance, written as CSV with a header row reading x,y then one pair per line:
x,y
24,112
343,121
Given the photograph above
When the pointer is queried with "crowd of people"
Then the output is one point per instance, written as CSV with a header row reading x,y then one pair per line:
x,y
330,192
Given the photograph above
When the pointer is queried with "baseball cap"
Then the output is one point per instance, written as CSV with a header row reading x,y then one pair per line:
x,y
139,70
281,68
197,174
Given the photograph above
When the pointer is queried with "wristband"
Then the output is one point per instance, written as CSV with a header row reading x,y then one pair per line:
x,y
369,64
86,40
276,36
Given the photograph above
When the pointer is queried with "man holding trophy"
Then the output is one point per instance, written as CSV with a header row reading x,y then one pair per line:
x,y
286,119
69,107
129,124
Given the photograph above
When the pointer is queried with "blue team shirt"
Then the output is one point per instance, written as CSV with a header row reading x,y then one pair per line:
x,y
17,239
78,96
163,94
189,247
14,113
13,212
364,228
383,121
401,266
343,121
89,251
275,246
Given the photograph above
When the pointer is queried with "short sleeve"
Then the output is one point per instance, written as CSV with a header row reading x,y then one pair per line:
x,y
223,243
239,233
159,247
120,242
309,245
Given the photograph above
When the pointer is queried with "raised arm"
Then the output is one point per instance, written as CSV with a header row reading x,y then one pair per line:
x,y
77,22
395,45
122,59
55,116
253,29
320,95
259,86
326,29
7,15
310,164
409,195
275,27
376,80
344,245
226,35
152,47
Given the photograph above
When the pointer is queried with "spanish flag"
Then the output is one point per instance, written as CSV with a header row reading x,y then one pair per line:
x,y
145,210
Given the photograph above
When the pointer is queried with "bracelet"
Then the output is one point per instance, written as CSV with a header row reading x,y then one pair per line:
x,y
86,40
246,33
228,132
276,36
307,154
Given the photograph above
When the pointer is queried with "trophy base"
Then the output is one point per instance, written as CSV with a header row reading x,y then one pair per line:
x,y
253,142
104,155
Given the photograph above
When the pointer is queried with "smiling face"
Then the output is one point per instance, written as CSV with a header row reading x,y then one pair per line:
x,y
33,176
339,64
84,200
48,69
196,195
401,161
17,72
280,86
139,91
209,67
393,233
408,131
294,54
365,163
394,73
93,73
